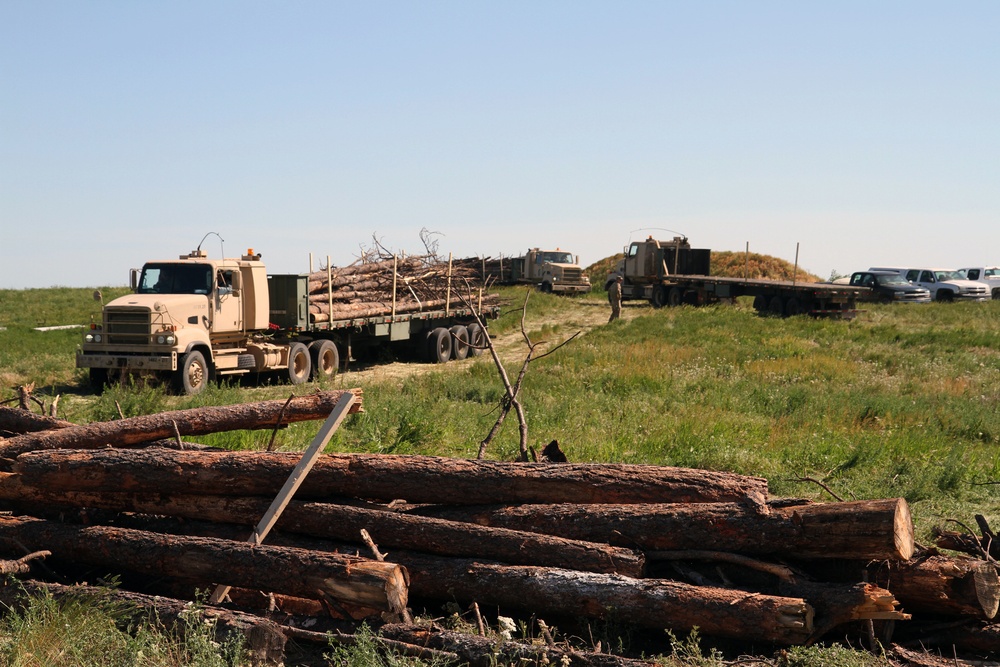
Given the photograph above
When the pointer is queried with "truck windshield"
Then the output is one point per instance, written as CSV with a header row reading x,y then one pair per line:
x,y
175,279
557,257
943,276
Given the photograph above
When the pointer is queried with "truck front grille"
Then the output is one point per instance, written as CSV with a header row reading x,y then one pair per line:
x,y
572,275
128,327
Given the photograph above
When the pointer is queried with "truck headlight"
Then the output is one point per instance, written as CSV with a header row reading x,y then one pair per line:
x,y
166,339
92,338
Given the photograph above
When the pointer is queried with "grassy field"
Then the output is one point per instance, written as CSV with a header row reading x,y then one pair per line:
x,y
902,401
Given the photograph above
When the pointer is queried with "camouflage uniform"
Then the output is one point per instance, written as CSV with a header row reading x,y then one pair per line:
x,y
615,298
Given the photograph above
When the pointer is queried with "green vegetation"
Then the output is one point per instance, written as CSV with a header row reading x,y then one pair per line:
x,y
902,401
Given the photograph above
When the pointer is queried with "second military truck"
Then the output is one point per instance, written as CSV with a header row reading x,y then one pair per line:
x,y
671,273
550,270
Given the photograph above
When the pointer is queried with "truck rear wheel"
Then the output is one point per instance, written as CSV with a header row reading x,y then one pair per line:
x,y
477,339
299,364
675,297
776,306
325,359
193,374
459,342
439,346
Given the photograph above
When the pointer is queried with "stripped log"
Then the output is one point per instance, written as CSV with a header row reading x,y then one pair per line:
x,y
195,421
340,522
382,477
864,529
264,639
943,585
296,572
15,421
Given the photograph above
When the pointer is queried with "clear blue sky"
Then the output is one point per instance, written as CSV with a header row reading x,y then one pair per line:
x,y
868,132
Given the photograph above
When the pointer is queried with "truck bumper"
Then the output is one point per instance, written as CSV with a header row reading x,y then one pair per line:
x,y
131,362
570,289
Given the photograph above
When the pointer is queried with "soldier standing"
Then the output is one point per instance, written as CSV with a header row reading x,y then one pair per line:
x,y
615,297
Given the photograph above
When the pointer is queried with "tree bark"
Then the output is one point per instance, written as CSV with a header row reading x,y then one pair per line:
x,y
195,421
384,477
296,572
340,522
262,637
876,529
942,585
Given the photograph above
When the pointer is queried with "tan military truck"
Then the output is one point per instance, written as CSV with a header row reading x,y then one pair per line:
x,y
550,270
193,319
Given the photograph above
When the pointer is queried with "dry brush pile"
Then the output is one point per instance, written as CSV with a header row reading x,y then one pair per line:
x,y
656,547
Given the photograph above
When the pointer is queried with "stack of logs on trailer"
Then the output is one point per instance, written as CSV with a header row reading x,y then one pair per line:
x,y
419,282
649,546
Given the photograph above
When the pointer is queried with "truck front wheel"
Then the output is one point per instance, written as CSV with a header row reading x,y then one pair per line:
x,y
945,295
98,380
299,364
192,376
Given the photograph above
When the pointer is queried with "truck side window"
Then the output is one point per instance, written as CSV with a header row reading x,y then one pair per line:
x,y
224,280
633,250
972,274
912,275
927,277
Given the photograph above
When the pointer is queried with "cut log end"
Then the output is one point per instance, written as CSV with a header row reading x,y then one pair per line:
x,y
903,530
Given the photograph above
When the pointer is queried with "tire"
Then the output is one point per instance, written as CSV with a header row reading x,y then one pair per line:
x,y
760,303
299,364
192,375
325,359
945,296
776,306
794,307
439,346
459,342
996,293
98,380
675,297
546,287
477,339
659,299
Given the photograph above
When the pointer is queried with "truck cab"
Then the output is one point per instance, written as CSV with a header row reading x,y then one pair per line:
x,y
651,260
987,275
553,271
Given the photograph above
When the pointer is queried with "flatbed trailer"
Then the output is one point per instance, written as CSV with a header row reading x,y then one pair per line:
x,y
773,297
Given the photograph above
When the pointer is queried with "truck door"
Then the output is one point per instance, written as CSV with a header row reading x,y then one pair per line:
x,y
228,314
633,259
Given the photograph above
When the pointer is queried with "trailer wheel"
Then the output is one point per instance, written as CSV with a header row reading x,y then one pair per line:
x,y
794,307
477,339
439,346
776,306
325,359
760,303
459,342
299,364
193,374
675,297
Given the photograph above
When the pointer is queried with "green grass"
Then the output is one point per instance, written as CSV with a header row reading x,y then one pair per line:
x,y
902,401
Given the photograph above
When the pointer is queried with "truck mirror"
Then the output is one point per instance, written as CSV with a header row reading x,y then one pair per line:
x,y
237,282
133,278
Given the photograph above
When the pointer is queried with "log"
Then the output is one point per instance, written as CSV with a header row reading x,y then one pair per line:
x,y
15,421
264,639
296,572
646,602
939,584
976,637
383,477
477,651
194,421
340,522
867,529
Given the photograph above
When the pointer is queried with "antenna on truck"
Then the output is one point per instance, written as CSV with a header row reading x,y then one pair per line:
x,y
221,241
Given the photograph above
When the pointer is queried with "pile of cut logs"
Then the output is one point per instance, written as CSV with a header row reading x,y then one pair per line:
x,y
398,284
656,547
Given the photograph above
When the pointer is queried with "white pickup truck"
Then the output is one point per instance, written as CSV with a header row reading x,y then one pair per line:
x,y
943,284
987,275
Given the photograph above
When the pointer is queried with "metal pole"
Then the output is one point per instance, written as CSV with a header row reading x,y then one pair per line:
x,y
795,271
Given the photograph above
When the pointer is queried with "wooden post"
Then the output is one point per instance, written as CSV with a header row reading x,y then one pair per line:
x,y
746,263
329,291
447,293
294,480
795,271
395,273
